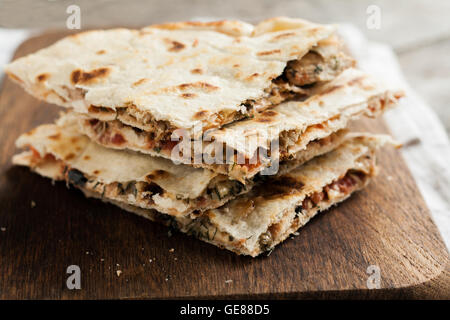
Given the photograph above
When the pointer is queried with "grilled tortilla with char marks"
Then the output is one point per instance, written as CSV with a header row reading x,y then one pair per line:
x,y
141,180
345,98
171,76
259,220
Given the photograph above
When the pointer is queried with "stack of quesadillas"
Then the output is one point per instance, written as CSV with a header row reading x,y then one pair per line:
x,y
234,133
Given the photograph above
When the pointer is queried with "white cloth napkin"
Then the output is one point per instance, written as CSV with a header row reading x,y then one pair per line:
x,y
414,123
9,40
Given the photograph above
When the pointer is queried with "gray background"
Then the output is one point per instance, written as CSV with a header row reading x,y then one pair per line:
x,y
418,30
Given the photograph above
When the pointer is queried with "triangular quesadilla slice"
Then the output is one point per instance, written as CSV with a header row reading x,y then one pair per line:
x,y
60,151
259,220
292,124
180,75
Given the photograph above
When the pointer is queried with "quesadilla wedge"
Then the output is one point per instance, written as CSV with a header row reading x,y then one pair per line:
x,y
139,179
292,124
179,75
259,220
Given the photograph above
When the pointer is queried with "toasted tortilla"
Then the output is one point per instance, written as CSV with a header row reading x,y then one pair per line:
x,y
259,220
179,75
142,180
296,123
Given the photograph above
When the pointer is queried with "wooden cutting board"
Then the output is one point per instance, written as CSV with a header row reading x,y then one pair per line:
x,y
45,228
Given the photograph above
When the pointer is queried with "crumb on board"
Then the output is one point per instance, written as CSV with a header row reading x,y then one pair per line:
x,y
411,142
228,281
119,272
171,250
3,229
32,204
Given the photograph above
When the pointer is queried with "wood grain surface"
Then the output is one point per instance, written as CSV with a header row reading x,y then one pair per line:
x,y
45,228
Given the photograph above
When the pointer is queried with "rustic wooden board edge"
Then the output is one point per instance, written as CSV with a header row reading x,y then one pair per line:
x,y
436,286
